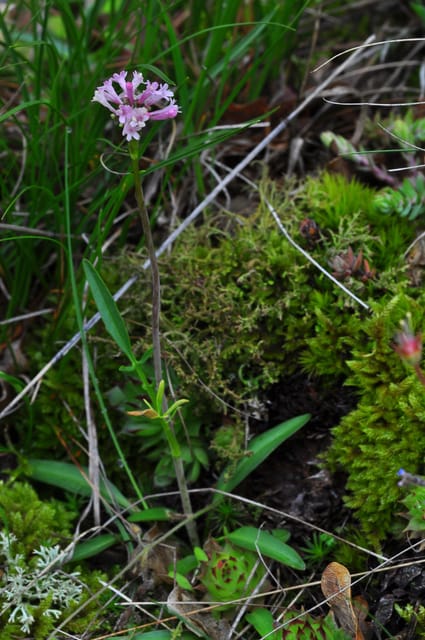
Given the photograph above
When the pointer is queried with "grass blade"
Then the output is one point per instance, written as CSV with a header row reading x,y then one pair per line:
x,y
93,547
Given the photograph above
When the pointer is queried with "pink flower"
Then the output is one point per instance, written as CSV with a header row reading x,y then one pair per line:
x,y
132,106
407,345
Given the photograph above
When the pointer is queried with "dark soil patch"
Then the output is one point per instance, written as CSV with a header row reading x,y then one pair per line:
x,y
294,479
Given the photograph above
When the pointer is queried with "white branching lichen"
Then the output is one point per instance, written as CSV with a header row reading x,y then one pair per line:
x,y
25,585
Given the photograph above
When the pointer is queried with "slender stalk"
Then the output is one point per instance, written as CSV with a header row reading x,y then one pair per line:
x,y
156,342
156,283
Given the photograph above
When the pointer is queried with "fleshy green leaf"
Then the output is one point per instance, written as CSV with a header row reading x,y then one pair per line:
x,y
200,554
259,449
186,565
263,622
268,545
181,580
281,534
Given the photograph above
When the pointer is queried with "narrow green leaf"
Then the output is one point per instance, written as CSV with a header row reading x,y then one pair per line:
x,y
256,540
70,478
91,548
202,456
260,448
200,143
176,405
155,514
419,10
22,107
108,310
16,383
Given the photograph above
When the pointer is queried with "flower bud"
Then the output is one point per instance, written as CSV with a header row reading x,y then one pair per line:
x,y
407,345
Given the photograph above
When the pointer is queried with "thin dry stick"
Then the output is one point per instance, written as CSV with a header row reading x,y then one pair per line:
x,y
381,567
367,45
92,442
188,221
310,258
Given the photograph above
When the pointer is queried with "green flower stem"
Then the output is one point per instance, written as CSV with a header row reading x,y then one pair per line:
x,y
171,439
156,342
156,284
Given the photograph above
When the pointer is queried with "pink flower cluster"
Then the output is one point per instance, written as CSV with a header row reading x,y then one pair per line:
x,y
134,104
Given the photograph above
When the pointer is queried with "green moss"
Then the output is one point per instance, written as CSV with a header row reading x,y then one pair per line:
x,y
228,444
223,306
33,585
241,305
31,520
385,432
414,616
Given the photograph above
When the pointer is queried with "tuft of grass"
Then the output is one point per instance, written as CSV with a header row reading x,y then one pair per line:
x,y
52,60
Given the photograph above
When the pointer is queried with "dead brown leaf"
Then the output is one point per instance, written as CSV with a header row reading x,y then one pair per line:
x,y
336,587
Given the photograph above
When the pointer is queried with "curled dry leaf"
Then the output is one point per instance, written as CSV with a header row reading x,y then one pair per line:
x,y
336,587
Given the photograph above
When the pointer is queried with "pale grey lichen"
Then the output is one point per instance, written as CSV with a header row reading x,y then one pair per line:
x,y
25,585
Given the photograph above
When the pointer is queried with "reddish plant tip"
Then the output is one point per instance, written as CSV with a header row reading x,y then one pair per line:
x,y
408,345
